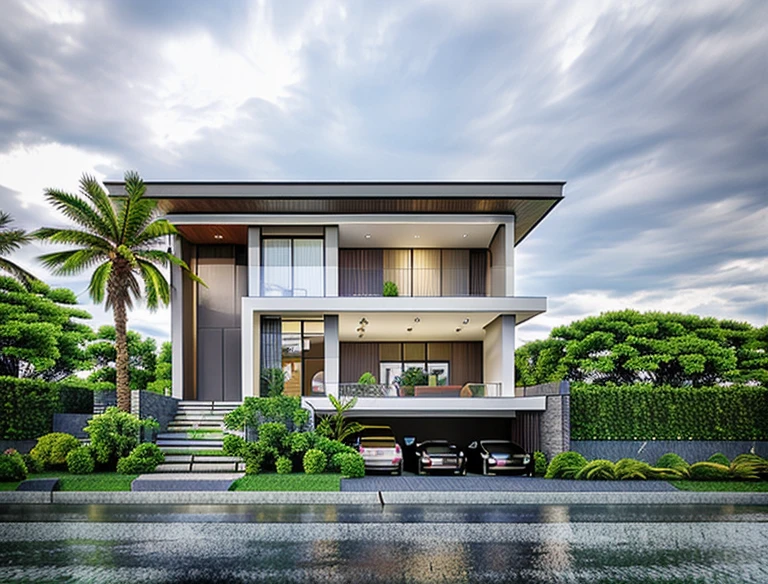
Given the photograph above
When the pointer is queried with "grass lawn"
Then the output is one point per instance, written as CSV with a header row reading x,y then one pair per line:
x,y
732,486
288,482
98,481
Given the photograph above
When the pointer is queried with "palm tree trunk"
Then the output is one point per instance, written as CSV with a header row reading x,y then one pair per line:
x,y
121,359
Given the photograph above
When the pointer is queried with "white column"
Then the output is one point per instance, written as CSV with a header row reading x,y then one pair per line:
x,y
331,345
509,258
250,330
254,261
332,261
177,326
499,354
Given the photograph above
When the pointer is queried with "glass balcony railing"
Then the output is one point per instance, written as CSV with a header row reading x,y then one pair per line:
x,y
380,390
409,282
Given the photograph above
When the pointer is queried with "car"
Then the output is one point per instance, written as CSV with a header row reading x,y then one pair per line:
x,y
439,455
494,456
379,449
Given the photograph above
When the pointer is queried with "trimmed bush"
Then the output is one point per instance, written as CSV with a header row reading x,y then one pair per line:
x,y
565,465
272,434
351,464
632,470
719,458
257,456
52,449
80,461
298,443
144,458
114,434
314,461
283,465
673,461
256,411
597,470
27,407
646,412
33,464
758,464
389,289
330,448
12,467
540,463
709,471
233,444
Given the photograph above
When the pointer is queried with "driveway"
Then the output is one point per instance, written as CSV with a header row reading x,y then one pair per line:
x,y
472,482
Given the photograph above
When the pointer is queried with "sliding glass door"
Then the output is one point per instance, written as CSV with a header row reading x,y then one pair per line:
x,y
292,267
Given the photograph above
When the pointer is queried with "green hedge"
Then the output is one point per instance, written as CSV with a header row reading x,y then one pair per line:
x,y
645,412
26,408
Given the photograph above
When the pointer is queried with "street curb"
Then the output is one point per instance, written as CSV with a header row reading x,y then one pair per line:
x,y
379,498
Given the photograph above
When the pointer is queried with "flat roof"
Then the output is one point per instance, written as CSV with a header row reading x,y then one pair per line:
x,y
528,201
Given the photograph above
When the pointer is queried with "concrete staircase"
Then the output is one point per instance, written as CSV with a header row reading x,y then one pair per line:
x,y
197,426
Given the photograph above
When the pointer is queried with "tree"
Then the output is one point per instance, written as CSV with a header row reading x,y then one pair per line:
x,y
142,358
10,241
628,347
41,335
163,371
118,238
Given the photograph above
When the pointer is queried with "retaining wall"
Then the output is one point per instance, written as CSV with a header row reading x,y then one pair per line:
x,y
650,450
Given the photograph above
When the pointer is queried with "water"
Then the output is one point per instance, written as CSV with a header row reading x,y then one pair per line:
x,y
372,544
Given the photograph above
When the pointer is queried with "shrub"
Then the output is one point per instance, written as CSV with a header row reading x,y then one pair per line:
x,y
27,407
367,378
12,467
597,470
257,456
540,463
667,474
258,410
351,464
80,461
299,442
114,434
33,464
284,465
390,289
233,444
52,449
314,461
565,465
272,382
673,461
719,458
647,412
272,434
757,463
143,458
709,471
631,469
330,448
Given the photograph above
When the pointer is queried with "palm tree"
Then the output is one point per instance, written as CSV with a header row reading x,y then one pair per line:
x,y
119,237
10,241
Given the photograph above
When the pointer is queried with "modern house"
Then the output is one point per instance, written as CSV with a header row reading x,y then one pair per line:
x,y
296,273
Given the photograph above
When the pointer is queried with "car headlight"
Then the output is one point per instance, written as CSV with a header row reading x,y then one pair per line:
x,y
491,460
526,459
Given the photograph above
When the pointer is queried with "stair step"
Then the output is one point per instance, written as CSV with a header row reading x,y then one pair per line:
x,y
227,467
192,444
186,436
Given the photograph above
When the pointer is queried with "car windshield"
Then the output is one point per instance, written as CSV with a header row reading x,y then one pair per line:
x,y
376,431
439,449
502,450
378,442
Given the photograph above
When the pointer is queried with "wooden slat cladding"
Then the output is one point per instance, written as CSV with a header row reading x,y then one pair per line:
x,y
361,272
356,359
466,363
526,430
230,234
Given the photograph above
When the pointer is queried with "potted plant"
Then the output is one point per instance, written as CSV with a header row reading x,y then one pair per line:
x,y
390,289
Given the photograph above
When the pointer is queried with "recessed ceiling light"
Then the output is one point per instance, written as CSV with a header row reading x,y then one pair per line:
x,y
465,235
218,236
465,321
367,235
458,329
417,236
409,329
417,319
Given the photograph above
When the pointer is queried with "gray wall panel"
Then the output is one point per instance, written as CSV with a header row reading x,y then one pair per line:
x,y
209,364
232,373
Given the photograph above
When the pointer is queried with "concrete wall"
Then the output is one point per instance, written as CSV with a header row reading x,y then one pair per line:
x,y
147,404
650,450
71,424
498,352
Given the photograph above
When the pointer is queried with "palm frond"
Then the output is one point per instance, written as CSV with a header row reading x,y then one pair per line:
x,y
97,288
25,277
73,237
91,188
156,287
154,231
5,219
73,261
78,210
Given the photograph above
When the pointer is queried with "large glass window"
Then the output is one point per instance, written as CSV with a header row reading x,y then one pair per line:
x,y
303,357
292,267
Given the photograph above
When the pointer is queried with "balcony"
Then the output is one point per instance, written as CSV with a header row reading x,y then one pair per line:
x,y
410,282
380,390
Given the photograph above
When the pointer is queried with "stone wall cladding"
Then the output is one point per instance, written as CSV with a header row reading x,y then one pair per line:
x,y
71,424
23,446
555,421
102,400
650,450
147,404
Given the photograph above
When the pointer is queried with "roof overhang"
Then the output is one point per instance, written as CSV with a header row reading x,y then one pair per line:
x,y
442,407
529,202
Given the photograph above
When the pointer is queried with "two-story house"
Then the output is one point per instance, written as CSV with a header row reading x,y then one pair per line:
x,y
296,274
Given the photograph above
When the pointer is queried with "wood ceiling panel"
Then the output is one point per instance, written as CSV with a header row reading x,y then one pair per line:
x,y
208,234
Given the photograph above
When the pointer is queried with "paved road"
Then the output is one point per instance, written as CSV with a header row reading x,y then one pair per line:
x,y
373,544
454,484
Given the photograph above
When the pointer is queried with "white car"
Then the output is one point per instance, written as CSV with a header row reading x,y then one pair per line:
x,y
379,449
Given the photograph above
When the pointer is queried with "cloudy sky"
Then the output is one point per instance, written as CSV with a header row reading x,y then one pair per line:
x,y
656,113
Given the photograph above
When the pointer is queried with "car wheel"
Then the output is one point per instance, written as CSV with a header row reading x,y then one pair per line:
x,y
399,471
464,471
485,467
419,469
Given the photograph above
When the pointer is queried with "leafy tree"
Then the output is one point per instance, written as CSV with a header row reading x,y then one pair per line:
x,y
142,358
118,238
628,347
163,371
41,335
10,241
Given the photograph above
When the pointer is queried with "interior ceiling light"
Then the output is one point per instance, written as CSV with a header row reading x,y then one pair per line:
x,y
409,329
458,329
417,236
367,235
465,235
465,321
218,236
417,319
363,321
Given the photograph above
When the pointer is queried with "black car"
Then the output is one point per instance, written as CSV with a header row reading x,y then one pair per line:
x,y
495,456
439,455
